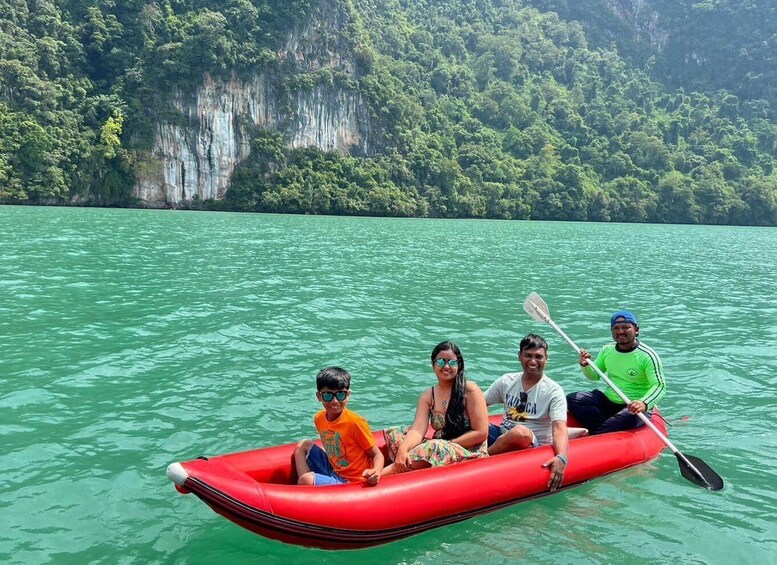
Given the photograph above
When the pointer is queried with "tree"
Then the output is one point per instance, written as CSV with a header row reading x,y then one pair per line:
x,y
676,200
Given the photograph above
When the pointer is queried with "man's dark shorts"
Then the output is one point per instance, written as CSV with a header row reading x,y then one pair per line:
x,y
494,432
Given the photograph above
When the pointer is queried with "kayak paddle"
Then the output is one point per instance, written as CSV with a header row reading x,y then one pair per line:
x,y
692,468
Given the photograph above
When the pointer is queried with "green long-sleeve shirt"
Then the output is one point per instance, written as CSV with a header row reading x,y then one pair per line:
x,y
638,373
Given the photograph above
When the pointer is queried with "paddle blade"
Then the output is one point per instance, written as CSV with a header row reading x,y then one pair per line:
x,y
705,477
535,307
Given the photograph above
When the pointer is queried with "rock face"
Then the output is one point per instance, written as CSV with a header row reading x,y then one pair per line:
x,y
196,156
645,20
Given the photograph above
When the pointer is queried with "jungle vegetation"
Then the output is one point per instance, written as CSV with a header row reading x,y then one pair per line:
x,y
511,109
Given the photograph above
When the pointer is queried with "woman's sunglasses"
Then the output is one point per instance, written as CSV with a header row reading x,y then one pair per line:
x,y
452,363
329,396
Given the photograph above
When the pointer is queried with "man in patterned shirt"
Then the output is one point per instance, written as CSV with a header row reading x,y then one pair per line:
x,y
535,409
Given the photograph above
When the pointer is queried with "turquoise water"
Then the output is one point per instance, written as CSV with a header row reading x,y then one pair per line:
x,y
132,339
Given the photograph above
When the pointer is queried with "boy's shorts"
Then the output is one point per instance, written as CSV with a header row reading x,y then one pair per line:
x,y
322,469
495,431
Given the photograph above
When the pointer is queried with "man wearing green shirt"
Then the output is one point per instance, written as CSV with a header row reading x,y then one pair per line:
x,y
633,367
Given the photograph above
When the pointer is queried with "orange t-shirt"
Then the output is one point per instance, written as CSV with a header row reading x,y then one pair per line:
x,y
345,441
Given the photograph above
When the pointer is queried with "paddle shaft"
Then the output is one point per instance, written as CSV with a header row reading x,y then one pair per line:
x,y
619,392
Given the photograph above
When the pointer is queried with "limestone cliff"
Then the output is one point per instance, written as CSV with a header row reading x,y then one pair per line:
x,y
643,18
195,156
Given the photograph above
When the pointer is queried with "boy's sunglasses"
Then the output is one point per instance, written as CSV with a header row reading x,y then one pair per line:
x,y
339,395
452,363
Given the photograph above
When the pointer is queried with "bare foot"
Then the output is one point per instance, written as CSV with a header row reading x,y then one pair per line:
x,y
577,432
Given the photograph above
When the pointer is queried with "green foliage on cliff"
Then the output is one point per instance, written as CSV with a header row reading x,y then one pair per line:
x,y
496,110
82,83
488,109
690,44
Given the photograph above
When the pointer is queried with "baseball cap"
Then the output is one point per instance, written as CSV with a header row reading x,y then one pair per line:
x,y
623,316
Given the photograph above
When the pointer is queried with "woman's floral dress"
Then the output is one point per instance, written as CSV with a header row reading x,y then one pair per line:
x,y
435,451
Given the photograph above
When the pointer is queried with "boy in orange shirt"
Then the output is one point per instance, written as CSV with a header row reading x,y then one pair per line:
x,y
349,453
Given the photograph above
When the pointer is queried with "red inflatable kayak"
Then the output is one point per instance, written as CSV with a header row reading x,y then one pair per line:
x,y
255,489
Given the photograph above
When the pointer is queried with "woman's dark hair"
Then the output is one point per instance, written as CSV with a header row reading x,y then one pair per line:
x,y
455,416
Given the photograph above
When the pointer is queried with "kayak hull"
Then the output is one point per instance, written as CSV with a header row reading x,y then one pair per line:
x,y
255,489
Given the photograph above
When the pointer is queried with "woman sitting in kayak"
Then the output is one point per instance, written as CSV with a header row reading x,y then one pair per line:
x,y
456,410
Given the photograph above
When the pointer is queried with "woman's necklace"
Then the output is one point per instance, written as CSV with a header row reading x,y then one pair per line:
x,y
443,401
